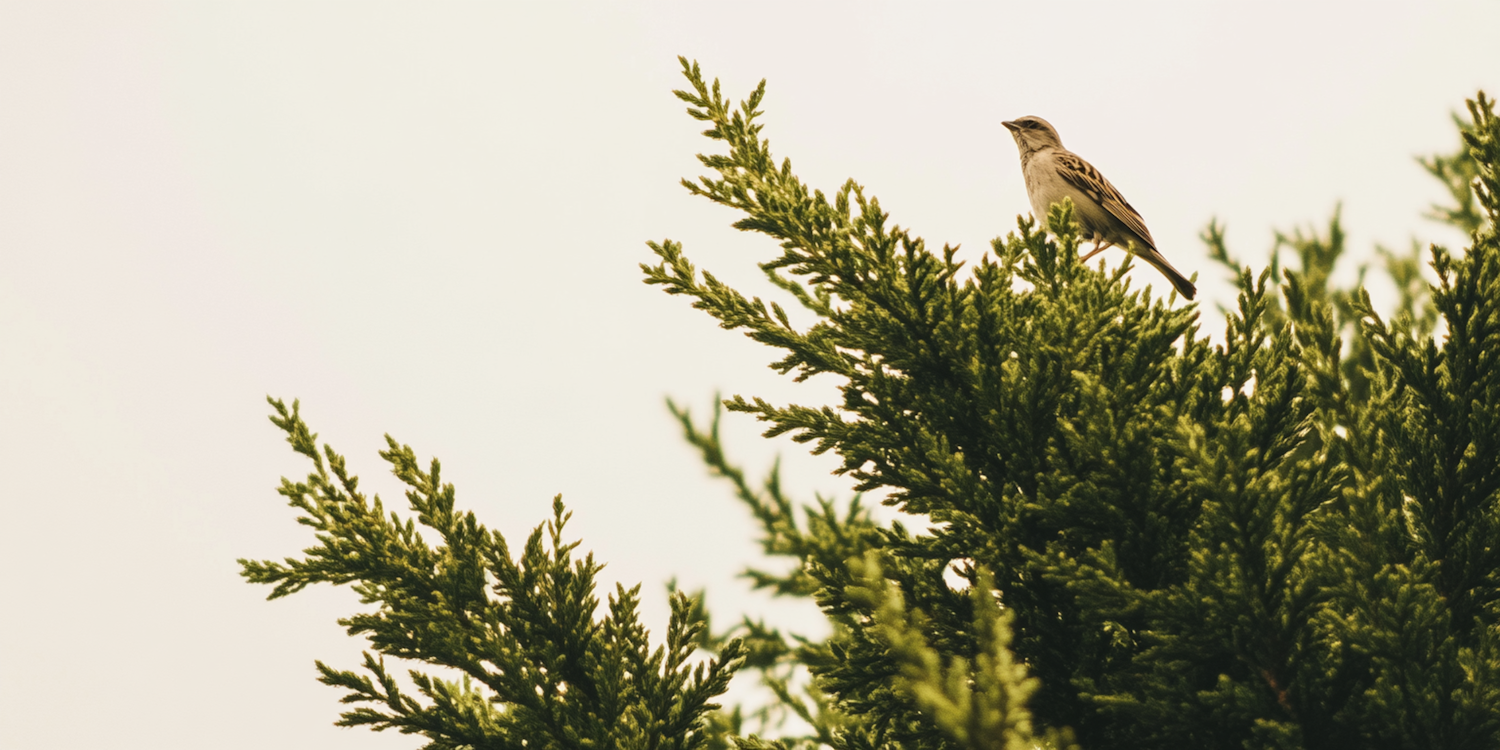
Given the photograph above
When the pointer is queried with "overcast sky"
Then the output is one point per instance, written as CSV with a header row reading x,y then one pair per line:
x,y
426,219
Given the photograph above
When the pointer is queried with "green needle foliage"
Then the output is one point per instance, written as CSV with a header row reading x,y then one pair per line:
x,y
538,666
1127,535
1285,539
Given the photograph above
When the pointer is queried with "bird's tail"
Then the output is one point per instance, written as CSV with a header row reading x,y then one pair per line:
x,y
1155,258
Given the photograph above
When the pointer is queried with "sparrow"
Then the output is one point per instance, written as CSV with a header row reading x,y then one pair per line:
x,y
1053,173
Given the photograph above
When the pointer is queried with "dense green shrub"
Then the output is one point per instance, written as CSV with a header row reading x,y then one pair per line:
x,y
1288,538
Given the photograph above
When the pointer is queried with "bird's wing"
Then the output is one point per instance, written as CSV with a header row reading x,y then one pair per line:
x,y
1082,175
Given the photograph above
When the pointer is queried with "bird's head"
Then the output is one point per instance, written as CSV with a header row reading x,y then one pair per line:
x,y
1033,133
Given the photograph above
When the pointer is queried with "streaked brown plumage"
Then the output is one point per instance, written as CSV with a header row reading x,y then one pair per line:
x,y
1053,173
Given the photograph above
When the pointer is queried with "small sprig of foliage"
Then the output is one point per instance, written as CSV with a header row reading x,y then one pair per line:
x,y
1282,540
537,664
975,704
818,539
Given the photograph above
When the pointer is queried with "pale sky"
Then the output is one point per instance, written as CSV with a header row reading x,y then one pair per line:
x,y
426,220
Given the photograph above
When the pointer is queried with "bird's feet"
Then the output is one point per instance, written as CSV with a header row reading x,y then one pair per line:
x,y
1099,246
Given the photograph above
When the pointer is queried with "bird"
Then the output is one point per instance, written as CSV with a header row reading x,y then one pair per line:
x,y
1053,173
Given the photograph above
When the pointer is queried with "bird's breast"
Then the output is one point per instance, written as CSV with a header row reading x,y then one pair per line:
x,y
1044,186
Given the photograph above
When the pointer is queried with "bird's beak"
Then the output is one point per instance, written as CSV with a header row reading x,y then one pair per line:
x,y
1011,126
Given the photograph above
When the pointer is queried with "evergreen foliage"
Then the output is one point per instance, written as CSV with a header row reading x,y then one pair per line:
x,y
538,668
1289,538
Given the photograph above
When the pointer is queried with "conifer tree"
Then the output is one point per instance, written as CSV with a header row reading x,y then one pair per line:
x,y
1283,539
